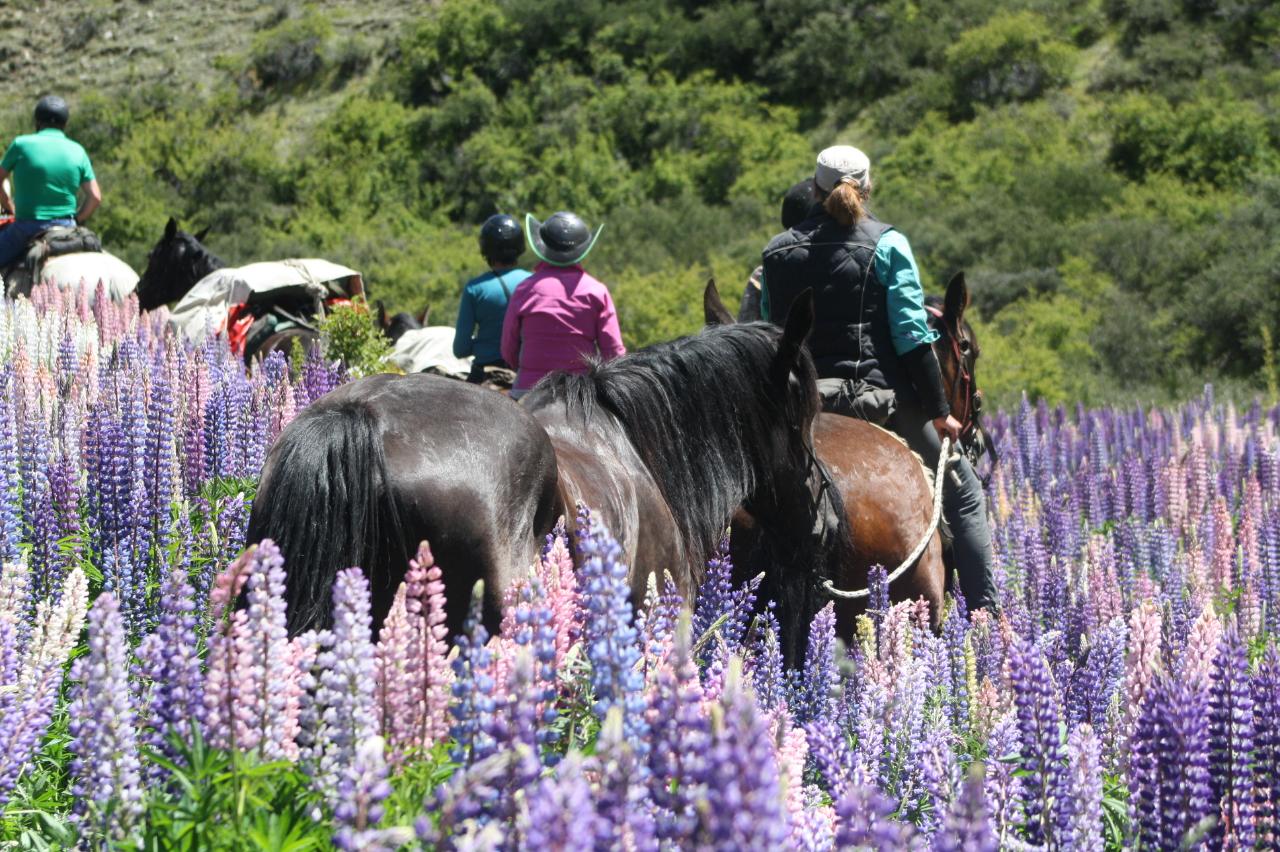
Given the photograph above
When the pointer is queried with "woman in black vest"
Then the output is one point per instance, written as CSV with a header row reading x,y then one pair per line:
x,y
871,340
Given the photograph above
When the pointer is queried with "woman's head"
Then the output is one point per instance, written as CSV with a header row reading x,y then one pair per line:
x,y
842,182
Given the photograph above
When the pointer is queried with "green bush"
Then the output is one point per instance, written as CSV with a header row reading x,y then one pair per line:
x,y
290,53
349,333
1013,57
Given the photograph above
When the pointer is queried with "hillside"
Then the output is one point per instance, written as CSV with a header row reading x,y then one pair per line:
x,y
110,46
1105,172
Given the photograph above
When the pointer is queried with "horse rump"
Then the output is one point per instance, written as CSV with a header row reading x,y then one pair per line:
x,y
326,500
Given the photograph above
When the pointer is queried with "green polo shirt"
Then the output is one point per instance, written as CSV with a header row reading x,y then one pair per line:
x,y
48,169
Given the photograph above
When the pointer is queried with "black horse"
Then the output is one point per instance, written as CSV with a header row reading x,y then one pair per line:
x,y
395,325
669,442
174,266
697,427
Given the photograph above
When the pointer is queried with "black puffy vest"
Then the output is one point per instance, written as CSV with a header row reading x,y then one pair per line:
x,y
850,338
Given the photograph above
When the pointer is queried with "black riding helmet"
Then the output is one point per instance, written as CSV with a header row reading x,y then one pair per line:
x,y
501,239
52,111
797,204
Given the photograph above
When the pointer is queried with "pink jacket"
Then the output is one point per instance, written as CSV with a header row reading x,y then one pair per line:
x,y
555,317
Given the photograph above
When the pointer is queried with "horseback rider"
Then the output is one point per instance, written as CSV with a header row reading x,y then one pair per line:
x,y
485,297
559,315
797,205
48,171
871,341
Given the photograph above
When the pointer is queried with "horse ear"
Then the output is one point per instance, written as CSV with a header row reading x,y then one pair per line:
x,y
171,229
957,299
713,309
424,316
799,323
200,236
382,314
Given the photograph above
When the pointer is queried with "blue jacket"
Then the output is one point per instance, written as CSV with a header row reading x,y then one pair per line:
x,y
481,311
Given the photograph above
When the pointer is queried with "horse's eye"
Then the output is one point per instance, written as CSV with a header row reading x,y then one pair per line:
x,y
965,346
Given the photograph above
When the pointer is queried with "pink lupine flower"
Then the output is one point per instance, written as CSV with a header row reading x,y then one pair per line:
x,y
556,571
1201,649
412,669
1142,662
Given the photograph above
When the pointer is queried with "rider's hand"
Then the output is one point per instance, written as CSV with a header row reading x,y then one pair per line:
x,y
948,427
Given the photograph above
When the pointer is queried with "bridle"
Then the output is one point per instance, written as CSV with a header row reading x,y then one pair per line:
x,y
963,381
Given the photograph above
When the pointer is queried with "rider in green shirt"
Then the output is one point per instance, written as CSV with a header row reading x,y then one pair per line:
x,y
48,171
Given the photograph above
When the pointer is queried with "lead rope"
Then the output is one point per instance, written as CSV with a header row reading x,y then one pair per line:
x,y
944,459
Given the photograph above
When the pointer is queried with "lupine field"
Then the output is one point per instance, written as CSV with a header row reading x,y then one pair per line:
x,y
1125,696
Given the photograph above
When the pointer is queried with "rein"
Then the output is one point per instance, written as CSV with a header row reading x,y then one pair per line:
x,y
944,459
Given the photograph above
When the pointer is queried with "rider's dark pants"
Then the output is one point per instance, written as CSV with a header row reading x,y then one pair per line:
x,y
963,505
15,236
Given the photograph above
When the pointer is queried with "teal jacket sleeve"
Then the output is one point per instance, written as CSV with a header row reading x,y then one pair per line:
x,y
896,270
463,343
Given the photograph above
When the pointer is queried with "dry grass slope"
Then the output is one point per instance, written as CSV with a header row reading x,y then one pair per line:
x,y
78,46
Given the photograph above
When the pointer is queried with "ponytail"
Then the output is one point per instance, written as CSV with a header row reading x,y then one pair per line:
x,y
844,204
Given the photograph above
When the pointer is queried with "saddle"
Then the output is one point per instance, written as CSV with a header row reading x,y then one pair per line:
x,y
54,242
857,398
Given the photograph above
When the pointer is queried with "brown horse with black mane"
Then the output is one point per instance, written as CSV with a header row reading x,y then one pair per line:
x,y
883,486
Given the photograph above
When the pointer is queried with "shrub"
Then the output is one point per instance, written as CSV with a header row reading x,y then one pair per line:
x,y
1013,57
291,53
348,333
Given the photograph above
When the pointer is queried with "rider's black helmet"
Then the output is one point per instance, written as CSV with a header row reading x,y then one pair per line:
x,y
52,111
500,239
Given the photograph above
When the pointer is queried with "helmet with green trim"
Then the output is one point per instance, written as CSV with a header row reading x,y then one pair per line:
x,y
563,240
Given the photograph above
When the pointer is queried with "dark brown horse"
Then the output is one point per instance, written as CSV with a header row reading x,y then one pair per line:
x,y
883,486
376,466
665,444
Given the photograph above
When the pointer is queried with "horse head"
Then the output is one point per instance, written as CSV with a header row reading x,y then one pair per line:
x,y
958,352
398,323
176,263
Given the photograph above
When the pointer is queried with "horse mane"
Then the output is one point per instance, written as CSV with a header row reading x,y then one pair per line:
x,y
701,412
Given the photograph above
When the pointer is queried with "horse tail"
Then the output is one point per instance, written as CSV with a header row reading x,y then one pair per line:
x,y
326,500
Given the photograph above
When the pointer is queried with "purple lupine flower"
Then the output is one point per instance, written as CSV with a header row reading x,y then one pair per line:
x,y
864,820
656,622
1080,818
610,637
679,735
1169,776
744,807
170,664
1265,691
764,662
473,687
532,701
344,701
108,785
966,827
1231,743
10,484
622,800
811,698
361,791
1003,786
718,601
938,776
831,755
560,812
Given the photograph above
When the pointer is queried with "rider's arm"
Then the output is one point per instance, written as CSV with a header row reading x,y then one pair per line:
x,y
91,199
608,334
6,202
896,270
463,342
